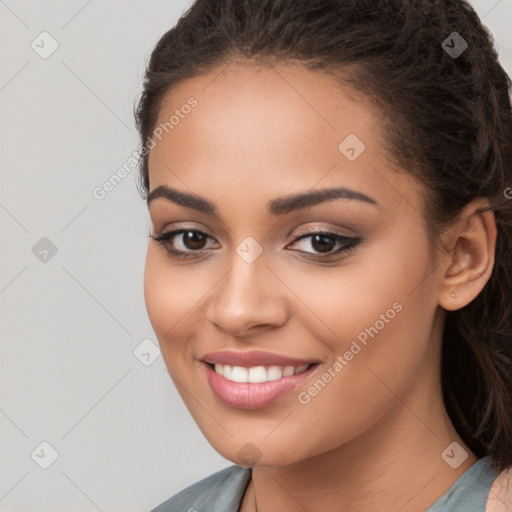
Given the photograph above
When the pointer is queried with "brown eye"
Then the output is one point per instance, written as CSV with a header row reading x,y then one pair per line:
x,y
194,240
189,243
322,243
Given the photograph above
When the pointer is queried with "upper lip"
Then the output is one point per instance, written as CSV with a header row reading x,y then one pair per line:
x,y
252,358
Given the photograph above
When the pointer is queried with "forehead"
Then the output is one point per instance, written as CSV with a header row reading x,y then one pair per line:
x,y
254,101
270,128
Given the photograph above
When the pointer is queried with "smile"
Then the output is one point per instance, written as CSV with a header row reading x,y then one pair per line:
x,y
257,374
257,386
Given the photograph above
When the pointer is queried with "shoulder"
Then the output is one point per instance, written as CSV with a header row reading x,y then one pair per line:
x,y
221,491
470,492
500,495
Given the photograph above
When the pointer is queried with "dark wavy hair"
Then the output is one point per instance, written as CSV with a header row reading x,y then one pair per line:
x,y
446,118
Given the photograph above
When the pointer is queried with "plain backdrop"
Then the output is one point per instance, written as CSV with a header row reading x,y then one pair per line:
x,y
83,391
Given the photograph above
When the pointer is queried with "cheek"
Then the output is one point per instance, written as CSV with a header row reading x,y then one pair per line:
x,y
381,312
353,394
154,292
173,297
338,303
166,300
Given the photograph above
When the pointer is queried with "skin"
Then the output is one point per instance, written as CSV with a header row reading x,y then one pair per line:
x,y
372,439
500,495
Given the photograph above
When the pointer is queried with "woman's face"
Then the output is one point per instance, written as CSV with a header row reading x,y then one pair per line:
x,y
363,307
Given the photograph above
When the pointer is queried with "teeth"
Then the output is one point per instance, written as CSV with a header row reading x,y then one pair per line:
x,y
300,369
289,370
257,374
227,371
240,374
274,373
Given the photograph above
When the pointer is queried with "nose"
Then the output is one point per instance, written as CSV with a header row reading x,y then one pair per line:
x,y
249,298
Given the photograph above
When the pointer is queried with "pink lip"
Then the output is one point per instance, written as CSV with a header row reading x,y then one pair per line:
x,y
252,358
246,395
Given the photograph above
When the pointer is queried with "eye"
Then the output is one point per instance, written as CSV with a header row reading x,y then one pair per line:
x,y
324,243
192,243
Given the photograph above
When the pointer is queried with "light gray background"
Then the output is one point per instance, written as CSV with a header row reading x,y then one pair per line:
x,y
70,325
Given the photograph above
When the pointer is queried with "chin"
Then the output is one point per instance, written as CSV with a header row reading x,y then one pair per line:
x,y
258,453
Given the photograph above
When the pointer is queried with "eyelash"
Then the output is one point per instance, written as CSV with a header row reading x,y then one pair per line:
x,y
350,243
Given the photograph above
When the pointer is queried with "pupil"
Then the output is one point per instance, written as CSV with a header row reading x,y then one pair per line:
x,y
191,239
322,245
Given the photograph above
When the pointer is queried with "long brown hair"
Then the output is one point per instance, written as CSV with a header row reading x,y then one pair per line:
x,y
447,118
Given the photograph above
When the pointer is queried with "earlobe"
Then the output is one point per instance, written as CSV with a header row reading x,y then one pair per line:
x,y
471,260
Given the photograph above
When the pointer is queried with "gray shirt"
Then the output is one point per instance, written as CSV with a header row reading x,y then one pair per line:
x,y
224,491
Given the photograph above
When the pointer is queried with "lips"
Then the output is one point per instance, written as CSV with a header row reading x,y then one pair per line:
x,y
252,395
253,358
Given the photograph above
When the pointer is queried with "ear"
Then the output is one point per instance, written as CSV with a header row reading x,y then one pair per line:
x,y
471,242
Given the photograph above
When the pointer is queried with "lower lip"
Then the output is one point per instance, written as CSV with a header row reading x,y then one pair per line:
x,y
247,395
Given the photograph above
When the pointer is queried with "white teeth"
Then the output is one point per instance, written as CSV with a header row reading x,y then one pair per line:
x,y
240,374
288,371
274,373
227,371
257,374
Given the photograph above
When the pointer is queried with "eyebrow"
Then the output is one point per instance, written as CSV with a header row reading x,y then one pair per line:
x,y
278,206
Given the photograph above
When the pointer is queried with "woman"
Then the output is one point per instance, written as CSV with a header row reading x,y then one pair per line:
x,y
329,265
